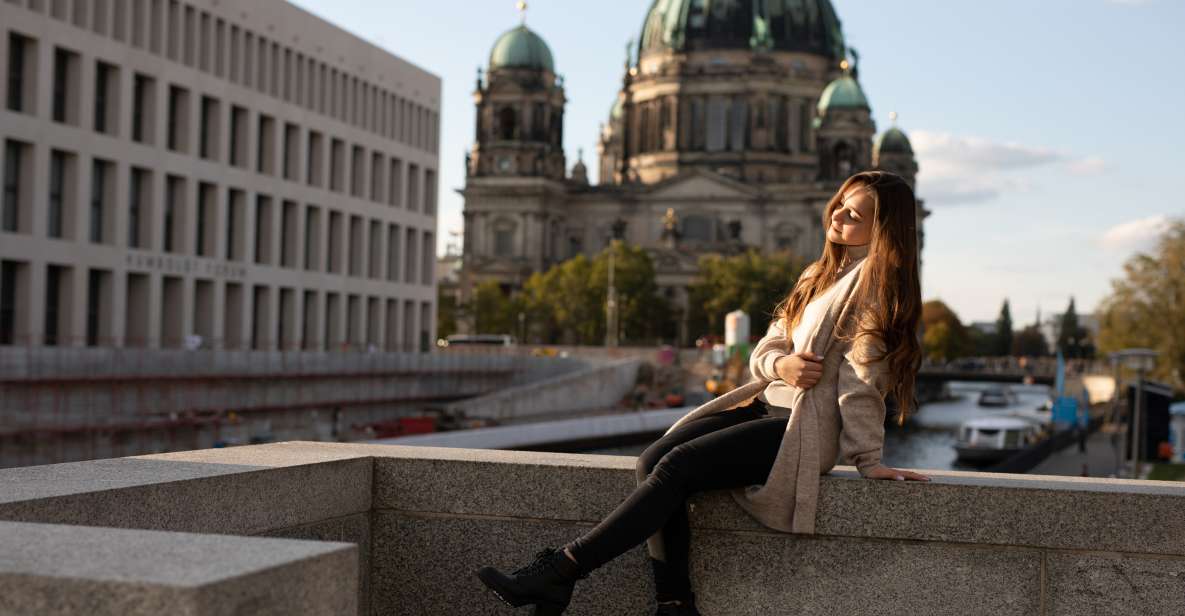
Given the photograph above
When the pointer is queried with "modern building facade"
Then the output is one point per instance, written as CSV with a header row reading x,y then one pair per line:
x,y
212,174
734,124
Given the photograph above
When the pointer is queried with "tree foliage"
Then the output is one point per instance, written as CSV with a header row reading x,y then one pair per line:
x,y
1146,308
751,281
1003,337
1030,342
945,337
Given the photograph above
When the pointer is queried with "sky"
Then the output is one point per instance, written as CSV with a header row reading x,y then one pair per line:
x,y
1048,133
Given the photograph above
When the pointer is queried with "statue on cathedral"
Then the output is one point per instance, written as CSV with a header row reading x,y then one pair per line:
x,y
670,228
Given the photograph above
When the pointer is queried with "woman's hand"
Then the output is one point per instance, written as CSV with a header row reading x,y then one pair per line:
x,y
802,369
881,471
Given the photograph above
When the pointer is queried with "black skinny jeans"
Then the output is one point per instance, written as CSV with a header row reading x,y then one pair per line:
x,y
729,449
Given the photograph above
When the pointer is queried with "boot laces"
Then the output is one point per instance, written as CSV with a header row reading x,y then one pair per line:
x,y
541,562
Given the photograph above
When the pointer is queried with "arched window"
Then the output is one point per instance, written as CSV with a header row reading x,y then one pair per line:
x,y
507,123
503,238
738,124
698,129
538,126
717,123
786,236
843,155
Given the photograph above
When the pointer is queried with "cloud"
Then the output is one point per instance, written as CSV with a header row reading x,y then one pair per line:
x,y
967,170
1135,235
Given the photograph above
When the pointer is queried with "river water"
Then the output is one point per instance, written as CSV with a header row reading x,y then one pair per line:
x,y
928,441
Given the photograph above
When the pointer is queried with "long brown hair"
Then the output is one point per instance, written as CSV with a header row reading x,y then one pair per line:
x,y
888,292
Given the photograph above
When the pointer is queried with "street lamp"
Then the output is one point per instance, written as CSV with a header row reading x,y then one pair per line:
x,y
1142,361
611,296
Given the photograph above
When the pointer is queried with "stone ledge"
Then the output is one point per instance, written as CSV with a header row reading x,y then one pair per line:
x,y
51,569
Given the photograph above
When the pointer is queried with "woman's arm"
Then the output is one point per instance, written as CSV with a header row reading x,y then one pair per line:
x,y
863,376
772,347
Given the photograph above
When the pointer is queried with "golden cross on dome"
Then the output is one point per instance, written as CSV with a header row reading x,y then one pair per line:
x,y
844,66
521,5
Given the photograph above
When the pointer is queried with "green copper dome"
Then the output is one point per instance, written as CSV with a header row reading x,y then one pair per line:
x,y
809,26
893,140
843,93
521,48
615,111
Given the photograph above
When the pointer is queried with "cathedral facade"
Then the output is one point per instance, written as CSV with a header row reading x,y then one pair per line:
x,y
735,123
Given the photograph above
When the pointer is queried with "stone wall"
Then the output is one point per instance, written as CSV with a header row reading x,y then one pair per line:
x,y
423,519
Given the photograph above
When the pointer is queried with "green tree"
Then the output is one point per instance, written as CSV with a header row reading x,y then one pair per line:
x,y
1146,307
1072,338
751,281
567,302
1003,345
494,311
446,312
945,337
1030,342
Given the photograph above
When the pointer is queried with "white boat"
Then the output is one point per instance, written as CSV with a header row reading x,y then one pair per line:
x,y
984,440
997,396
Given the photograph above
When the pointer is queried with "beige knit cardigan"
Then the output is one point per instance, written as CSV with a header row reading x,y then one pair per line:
x,y
843,413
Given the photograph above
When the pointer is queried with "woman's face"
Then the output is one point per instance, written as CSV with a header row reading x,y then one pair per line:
x,y
851,222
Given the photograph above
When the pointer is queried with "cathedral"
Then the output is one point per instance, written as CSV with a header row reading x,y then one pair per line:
x,y
735,123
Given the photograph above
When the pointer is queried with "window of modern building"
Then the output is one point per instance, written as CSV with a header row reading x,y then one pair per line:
x,y
173,217
102,191
203,311
286,320
238,136
178,120
206,221
291,150
430,191
265,145
358,169
288,234
66,74
98,307
353,320
410,246
427,258
209,132
263,229
261,317
377,179
14,287
355,246
22,73
17,213
373,330
333,254
106,98
143,108
395,182
413,187
136,307
140,208
62,179
235,223
232,317
315,160
172,312
308,335
333,319
312,238
337,151
393,254
53,304
374,268
189,54
392,325
409,325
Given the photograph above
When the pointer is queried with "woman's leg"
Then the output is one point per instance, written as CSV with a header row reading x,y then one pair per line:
x,y
733,456
669,546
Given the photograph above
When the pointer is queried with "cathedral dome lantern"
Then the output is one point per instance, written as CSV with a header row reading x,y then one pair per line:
x,y
844,127
520,110
892,151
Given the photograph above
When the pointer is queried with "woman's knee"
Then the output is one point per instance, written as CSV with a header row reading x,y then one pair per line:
x,y
680,461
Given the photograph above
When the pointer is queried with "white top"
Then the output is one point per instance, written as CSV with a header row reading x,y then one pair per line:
x,y
777,394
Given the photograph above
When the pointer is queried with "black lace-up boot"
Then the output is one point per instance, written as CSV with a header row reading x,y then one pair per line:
x,y
546,583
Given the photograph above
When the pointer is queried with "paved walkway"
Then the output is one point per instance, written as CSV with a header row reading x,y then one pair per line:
x,y
1100,457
